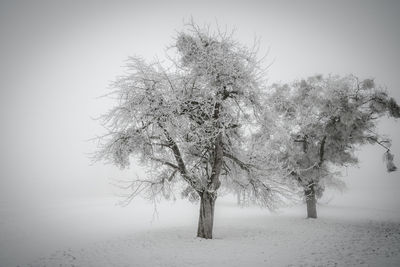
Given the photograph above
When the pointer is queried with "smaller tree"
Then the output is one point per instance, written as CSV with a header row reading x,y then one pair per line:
x,y
321,121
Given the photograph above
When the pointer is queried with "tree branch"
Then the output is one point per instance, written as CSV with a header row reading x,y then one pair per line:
x,y
165,163
241,164
195,183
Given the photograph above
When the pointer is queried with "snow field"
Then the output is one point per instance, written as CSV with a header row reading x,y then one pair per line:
x,y
98,233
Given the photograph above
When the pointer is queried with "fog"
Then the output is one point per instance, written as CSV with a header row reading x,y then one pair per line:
x,y
58,57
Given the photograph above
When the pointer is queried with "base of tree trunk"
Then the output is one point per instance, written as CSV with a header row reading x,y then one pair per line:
x,y
311,208
206,217
311,202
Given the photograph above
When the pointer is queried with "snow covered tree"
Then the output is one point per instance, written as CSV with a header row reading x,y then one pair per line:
x,y
185,118
318,124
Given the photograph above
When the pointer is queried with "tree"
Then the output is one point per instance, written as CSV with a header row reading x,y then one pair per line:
x,y
321,122
185,118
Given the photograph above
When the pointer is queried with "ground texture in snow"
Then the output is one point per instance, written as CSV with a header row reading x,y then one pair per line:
x,y
97,233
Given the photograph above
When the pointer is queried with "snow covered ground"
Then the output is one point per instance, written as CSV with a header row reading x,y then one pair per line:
x,y
98,233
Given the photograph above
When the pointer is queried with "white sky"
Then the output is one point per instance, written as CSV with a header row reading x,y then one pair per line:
x,y
57,57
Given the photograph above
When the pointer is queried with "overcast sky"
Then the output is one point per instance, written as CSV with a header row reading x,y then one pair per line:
x,y
57,57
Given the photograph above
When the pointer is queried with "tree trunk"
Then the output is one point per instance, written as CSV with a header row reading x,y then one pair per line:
x,y
206,218
311,201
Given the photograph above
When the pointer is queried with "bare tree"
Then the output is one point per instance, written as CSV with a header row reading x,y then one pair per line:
x,y
185,117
